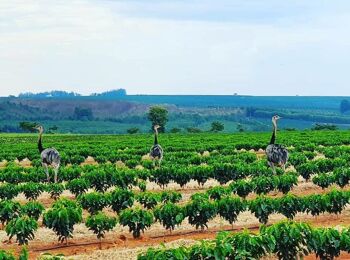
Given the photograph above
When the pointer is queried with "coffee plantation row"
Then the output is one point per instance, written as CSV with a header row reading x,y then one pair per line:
x,y
233,168
79,179
22,220
286,240
258,185
74,148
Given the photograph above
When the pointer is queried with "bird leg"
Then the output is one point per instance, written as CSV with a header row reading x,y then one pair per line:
x,y
46,171
56,171
283,167
272,165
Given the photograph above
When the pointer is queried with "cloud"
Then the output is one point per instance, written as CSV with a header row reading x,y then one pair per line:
x,y
175,47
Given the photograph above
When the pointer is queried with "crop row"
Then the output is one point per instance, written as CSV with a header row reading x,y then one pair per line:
x,y
100,181
8,255
22,220
284,240
180,158
111,148
222,172
192,158
201,208
162,176
258,185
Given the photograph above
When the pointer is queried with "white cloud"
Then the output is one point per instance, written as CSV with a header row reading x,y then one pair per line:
x,y
89,46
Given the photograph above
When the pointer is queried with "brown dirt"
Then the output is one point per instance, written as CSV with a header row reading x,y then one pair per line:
x,y
343,256
25,163
89,161
3,164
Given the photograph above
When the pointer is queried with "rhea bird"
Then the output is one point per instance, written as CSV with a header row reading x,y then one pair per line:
x,y
156,152
276,154
49,156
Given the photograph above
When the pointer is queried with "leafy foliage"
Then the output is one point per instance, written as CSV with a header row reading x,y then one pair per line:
x,y
288,239
5,255
8,191
9,210
33,209
136,219
23,228
100,223
62,217
200,210
148,199
55,190
229,208
169,215
217,126
170,196
93,202
158,116
78,186
32,190
121,199
262,207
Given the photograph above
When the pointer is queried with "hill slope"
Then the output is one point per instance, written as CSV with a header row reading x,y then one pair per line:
x,y
114,114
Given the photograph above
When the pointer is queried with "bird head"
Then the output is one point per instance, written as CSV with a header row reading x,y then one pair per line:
x,y
156,127
275,118
39,128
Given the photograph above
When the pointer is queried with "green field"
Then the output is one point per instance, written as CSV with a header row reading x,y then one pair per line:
x,y
217,181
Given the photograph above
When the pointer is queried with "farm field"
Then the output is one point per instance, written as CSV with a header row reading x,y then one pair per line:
x,y
111,202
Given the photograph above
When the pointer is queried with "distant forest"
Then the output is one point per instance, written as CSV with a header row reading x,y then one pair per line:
x,y
117,112
65,94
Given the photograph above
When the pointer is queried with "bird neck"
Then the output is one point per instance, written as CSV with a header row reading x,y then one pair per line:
x,y
274,132
155,136
40,143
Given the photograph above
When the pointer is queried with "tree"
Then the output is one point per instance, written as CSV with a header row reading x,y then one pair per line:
x,y
23,228
230,207
289,239
136,219
93,201
99,224
78,186
169,215
62,217
133,130
9,210
33,209
217,126
344,106
28,126
55,190
200,210
158,116
240,128
121,199
111,94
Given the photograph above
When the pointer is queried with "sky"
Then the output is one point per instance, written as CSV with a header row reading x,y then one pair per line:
x,y
220,47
